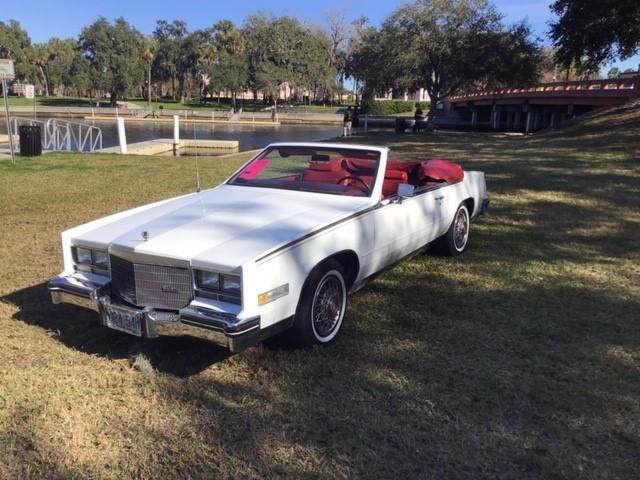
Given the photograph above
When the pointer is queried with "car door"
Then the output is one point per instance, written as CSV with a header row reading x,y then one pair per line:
x,y
403,225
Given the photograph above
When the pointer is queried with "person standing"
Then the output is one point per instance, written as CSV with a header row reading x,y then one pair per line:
x,y
347,121
418,118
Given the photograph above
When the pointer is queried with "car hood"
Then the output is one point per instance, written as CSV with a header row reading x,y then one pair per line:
x,y
220,228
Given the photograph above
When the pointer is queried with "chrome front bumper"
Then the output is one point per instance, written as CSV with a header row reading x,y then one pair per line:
x,y
222,328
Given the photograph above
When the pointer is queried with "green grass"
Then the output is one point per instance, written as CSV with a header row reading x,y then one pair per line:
x,y
195,104
519,359
50,102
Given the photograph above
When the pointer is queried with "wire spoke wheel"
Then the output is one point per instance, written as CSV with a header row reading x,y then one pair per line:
x,y
328,305
461,229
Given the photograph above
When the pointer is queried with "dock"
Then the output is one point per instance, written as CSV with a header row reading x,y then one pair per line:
x,y
165,145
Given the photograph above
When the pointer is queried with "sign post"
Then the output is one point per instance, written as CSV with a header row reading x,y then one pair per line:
x,y
7,73
30,93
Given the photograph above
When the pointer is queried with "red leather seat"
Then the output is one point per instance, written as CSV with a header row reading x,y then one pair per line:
x,y
324,172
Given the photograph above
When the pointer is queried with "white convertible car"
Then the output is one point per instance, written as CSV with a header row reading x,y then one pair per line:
x,y
276,247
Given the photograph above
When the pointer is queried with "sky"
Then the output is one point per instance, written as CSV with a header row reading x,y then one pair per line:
x,y
44,19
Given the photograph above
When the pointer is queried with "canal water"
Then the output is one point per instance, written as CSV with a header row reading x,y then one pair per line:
x,y
250,137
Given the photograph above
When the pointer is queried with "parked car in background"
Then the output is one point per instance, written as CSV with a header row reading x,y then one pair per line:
x,y
278,246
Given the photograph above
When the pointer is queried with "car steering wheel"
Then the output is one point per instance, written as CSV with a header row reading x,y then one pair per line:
x,y
366,186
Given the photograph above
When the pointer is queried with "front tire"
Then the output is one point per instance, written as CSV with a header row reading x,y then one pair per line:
x,y
455,241
322,306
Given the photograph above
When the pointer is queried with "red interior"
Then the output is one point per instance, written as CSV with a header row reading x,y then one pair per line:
x,y
418,173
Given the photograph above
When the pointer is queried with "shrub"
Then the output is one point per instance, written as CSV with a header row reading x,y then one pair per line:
x,y
390,107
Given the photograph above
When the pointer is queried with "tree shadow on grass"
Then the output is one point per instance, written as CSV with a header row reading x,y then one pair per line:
x,y
79,328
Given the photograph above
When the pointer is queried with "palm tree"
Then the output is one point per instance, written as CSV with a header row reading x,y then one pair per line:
x,y
149,54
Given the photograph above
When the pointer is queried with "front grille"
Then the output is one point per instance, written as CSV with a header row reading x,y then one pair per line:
x,y
156,286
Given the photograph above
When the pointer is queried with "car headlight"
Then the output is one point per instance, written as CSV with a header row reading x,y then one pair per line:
x,y
208,280
231,284
219,286
101,258
88,258
83,255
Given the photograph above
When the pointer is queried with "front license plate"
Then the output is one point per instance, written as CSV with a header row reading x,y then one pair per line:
x,y
122,319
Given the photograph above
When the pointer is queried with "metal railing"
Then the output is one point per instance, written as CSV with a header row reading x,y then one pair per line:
x,y
623,87
62,135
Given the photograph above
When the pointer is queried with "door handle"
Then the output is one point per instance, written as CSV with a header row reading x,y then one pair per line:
x,y
440,198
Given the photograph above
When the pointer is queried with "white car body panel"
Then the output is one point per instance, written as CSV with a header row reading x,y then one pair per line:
x,y
273,237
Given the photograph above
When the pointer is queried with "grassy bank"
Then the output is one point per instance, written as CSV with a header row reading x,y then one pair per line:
x,y
195,104
519,359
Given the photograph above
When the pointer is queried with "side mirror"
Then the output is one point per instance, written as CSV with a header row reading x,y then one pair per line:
x,y
405,190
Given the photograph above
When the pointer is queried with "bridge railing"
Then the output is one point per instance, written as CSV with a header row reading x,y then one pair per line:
x,y
63,135
616,86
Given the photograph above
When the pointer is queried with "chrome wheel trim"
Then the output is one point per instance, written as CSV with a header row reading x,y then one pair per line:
x,y
461,229
328,306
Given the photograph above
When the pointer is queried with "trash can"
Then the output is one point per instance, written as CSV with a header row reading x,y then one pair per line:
x,y
30,140
401,124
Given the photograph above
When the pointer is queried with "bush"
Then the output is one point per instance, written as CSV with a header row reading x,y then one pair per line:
x,y
390,107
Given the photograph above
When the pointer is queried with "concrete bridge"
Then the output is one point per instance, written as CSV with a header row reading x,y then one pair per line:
x,y
545,105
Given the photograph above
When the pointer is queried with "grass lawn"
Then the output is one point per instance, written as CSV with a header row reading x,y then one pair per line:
x,y
519,359
195,104
50,102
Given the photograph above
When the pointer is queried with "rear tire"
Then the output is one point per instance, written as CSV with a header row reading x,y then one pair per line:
x,y
455,241
322,306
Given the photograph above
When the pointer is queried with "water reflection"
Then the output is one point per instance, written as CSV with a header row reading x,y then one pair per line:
x,y
249,137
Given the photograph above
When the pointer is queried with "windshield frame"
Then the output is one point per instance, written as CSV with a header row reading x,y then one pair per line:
x,y
345,150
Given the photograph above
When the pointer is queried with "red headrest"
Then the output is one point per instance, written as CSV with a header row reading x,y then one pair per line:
x,y
396,175
330,166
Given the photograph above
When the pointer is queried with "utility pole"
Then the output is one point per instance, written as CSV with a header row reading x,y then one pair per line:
x,y
7,72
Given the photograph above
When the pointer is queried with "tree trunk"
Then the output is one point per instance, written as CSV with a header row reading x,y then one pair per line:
x,y
45,80
149,87
356,88
173,87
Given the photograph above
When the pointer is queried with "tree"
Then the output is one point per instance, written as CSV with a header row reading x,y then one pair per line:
x,y
169,38
591,33
318,72
277,46
148,54
114,53
614,73
188,66
367,61
229,69
54,60
360,52
445,46
15,44
339,32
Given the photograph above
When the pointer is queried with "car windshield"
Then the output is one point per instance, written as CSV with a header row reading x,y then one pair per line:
x,y
337,171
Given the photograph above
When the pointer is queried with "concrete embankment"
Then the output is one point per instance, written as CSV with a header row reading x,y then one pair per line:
x,y
165,145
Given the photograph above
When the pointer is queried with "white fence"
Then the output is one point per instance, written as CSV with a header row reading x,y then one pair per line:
x,y
63,135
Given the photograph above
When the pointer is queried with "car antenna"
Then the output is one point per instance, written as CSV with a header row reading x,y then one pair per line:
x,y
195,146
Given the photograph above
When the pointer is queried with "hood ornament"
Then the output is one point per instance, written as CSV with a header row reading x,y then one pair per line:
x,y
145,235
